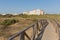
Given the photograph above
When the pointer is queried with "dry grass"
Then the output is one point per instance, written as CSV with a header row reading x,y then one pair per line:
x,y
23,23
14,28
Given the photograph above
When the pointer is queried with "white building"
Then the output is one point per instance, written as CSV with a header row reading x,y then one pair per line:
x,y
34,12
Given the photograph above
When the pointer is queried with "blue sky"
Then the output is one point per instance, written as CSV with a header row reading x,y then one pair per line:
x,y
18,6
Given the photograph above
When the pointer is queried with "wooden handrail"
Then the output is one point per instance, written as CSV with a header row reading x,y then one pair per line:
x,y
36,31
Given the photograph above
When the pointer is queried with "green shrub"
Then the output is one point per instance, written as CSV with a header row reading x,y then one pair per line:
x,y
8,22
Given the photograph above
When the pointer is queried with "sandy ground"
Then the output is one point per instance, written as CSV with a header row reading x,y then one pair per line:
x,y
51,32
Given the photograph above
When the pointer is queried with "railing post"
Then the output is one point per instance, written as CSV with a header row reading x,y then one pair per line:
x,y
22,36
37,28
34,31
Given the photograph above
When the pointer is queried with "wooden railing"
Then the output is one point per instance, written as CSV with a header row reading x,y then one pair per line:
x,y
33,32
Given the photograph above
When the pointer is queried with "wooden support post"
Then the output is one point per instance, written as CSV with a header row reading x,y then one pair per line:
x,y
34,32
22,36
37,28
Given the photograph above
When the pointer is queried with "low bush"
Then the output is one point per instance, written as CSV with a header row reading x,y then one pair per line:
x,y
8,22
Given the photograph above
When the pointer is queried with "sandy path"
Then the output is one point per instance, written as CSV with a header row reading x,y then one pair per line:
x,y
51,32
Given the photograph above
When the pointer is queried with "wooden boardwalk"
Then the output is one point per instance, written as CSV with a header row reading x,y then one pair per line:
x,y
43,29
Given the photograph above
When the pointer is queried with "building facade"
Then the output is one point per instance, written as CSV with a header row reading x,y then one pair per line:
x,y
34,12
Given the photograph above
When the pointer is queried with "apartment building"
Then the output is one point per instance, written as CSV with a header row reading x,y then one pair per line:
x,y
34,12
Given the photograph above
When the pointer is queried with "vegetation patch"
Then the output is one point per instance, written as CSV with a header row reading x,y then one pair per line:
x,y
8,22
